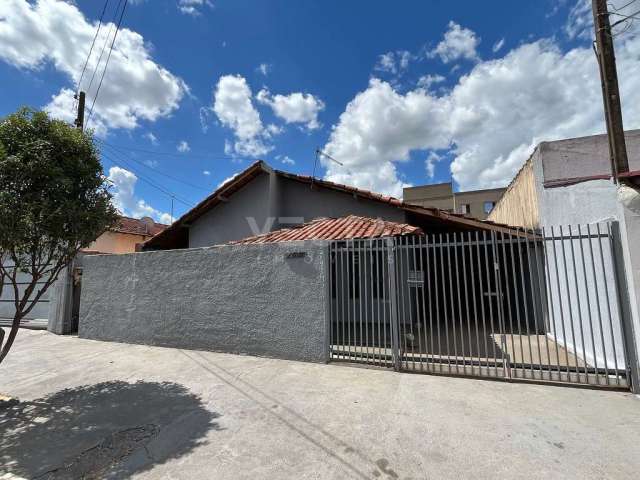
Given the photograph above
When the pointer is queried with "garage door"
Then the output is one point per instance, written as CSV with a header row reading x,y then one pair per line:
x,y
37,317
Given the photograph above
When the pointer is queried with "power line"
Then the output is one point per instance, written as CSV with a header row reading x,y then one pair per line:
x,y
145,179
633,16
160,172
622,7
173,154
115,35
104,46
86,62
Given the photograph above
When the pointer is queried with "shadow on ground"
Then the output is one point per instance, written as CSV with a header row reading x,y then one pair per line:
x,y
107,430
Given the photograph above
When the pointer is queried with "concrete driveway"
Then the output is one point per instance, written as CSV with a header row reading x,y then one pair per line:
x,y
91,409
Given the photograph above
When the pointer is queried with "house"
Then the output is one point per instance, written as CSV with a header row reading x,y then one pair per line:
x,y
477,203
125,236
566,182
294,267
262,199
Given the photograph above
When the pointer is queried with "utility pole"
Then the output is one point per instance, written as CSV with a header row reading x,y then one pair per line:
x,y
80,118
610,91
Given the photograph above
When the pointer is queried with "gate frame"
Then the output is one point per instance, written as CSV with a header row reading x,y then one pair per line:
x,y
391,245
624,307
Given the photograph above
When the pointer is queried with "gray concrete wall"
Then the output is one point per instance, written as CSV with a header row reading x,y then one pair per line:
x,y
252,299
585,156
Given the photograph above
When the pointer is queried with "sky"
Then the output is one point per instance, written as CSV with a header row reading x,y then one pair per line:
x,y
399,93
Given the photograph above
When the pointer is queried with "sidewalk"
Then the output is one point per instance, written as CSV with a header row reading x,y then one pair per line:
x,y
108,410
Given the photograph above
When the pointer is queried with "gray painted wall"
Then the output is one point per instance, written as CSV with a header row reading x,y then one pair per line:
x,y
270,202
249,299
229,221
585,156
299,200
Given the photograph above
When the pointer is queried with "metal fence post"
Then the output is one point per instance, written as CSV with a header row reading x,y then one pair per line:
x,y
624,308
393,296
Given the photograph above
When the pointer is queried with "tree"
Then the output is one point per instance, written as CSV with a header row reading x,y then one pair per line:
x,y
53,202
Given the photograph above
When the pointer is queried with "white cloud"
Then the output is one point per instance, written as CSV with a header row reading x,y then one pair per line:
x,y
264,69
379,127
206,172
151,137
183,147
125,199
393,62
580,20
286,159
427,80
293,108
498,46
56,33
233,106
491,120
458,43
430,164
193,7
579,24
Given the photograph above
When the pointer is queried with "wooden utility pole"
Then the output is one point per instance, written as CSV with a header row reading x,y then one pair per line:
x,y
80,118
610,91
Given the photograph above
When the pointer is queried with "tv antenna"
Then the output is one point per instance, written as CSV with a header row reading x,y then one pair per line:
x,y
320,153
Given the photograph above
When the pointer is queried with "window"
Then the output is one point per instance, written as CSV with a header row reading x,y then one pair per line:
x,y
465,209
488,206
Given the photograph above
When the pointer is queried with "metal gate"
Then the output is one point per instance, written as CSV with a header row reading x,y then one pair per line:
x,y
513,304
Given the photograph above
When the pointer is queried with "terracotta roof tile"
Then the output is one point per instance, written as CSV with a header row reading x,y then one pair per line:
x,y
138,226
343,228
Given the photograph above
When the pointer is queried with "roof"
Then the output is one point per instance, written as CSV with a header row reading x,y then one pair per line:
x,y
225,191
351,226
138,226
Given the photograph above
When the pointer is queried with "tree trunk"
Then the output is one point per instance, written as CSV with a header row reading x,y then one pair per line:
x,y
15,326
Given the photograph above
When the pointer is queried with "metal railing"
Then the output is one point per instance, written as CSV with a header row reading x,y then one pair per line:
x,y
513,304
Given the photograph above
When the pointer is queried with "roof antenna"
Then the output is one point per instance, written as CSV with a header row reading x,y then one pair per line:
x,y
321,153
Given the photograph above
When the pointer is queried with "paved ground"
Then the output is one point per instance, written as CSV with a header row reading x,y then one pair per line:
x,y
107,410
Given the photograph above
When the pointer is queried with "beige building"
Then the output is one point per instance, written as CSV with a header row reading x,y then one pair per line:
x,y
475,203
124,237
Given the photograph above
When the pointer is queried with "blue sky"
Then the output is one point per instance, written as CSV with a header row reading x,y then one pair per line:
x,y
402,93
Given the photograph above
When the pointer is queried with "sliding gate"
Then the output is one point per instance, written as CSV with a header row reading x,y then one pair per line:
x,y
533,305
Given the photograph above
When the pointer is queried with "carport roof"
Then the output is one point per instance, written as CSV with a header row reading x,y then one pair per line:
x,y
343,228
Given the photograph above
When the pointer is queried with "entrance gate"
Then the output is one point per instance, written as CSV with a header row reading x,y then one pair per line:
x,y
512,304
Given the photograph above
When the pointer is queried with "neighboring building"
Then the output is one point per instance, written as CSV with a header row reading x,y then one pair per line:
x,y
261,199
566,182
126,235
476,203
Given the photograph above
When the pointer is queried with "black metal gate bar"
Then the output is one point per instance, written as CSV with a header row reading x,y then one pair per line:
x,y
523,304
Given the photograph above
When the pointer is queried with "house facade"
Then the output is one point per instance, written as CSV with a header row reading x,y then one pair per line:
x,y
566,182
261,199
